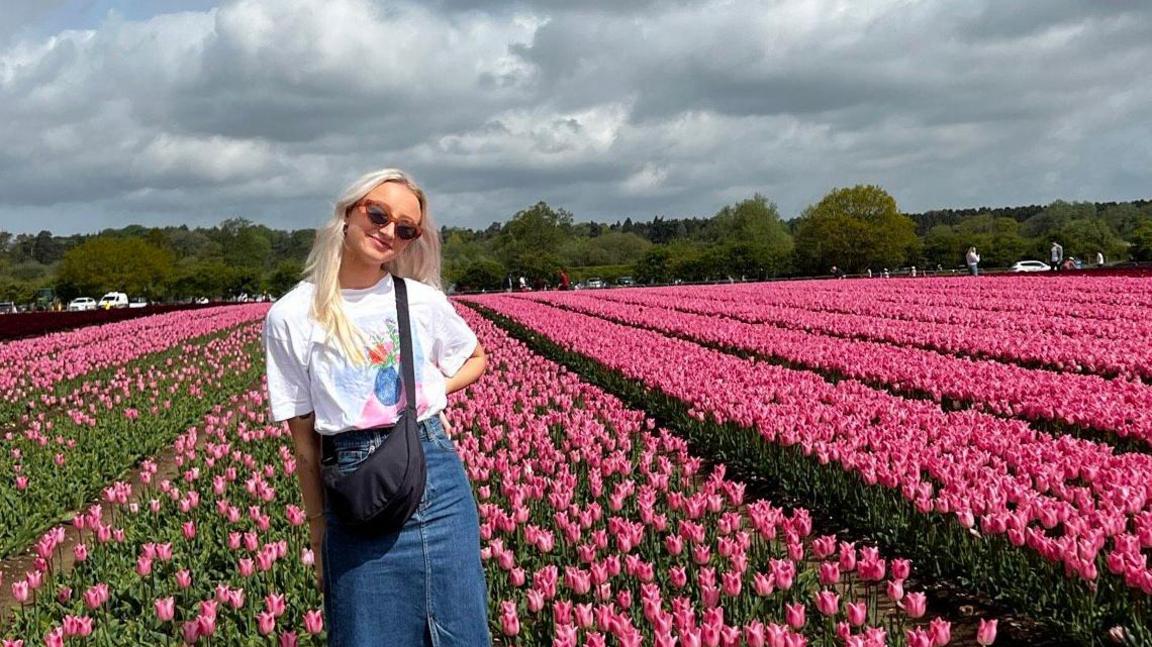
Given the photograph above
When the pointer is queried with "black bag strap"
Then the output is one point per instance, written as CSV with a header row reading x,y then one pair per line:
x,y
407,359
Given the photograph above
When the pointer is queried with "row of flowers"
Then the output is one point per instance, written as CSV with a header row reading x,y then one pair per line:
x,y
1115,407
598,526
61,454
1074,295
1034,505
32,369
1099,307
1126,357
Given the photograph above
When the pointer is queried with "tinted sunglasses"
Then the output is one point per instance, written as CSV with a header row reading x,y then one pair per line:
x,y
381,217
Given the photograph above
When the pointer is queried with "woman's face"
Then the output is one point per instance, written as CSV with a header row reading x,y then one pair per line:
x,y
378,244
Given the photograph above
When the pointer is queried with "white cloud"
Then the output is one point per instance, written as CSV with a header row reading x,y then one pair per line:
x,y
266,107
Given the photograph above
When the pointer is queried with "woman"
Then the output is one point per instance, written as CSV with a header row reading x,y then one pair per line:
x,y
973,260
332,344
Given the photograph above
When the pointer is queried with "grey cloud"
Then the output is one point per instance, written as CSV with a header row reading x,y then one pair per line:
x,y
608,109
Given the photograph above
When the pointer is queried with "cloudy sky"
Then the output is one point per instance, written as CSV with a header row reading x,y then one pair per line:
x,y
156,112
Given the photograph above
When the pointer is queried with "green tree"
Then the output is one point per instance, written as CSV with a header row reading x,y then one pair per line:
x,y
1141,239
854,228
482,274
751,234
285,277
1082,238
529,244
104,264
653,267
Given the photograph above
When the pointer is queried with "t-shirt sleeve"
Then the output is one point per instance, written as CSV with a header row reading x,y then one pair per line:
x,y
288,388
455,341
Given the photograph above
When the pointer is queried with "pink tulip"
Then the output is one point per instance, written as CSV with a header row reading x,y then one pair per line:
x,y
509,620
918,638
941,631
986,632
165,608
275,604
794,614
288,639
265,623
21,591
857,613
183,579
915,604
313,621
827,603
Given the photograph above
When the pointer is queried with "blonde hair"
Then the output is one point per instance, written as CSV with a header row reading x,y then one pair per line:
x,y
419,261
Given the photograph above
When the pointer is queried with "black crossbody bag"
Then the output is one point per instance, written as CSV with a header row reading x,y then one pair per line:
x,y
385,490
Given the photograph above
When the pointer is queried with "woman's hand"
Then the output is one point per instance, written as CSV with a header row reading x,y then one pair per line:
x,y
316,528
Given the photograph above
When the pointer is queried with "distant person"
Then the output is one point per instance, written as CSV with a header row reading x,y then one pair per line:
x,y
1100,259
523,283
1056,254
973,260
565,282
869,272
837,273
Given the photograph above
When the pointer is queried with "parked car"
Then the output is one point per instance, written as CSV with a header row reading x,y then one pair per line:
x,y
81,304
594,283
626,281
113,300
8,308
138,302
1031,266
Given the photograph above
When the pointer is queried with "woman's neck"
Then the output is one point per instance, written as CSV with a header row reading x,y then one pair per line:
x,y
354,276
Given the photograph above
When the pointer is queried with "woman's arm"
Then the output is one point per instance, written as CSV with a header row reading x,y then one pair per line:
x,y
307,443
471,371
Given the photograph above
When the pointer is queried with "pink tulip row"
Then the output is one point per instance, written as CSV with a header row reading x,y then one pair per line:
x,y
1122,407
598,527
1068,292
1093,320
1126,357
216,554
1064,498
30,367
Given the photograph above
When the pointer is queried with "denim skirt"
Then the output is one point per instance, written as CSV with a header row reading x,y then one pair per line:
x,y
423,585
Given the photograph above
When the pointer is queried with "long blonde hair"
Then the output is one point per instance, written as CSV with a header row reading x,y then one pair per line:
x,y
420,261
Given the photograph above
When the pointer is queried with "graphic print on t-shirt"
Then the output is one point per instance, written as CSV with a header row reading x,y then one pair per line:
x,y
387,399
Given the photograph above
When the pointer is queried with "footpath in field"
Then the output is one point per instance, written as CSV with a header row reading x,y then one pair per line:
x,y
1051,524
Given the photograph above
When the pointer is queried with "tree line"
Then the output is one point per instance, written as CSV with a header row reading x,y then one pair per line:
x,y
855,229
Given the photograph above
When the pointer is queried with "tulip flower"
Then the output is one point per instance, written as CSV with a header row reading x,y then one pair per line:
x,y
986,632
313,621
165,608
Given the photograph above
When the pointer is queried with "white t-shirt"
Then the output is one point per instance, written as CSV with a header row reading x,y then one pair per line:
x,y
307,372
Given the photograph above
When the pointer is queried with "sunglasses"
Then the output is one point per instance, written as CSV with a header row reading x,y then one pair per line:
x,y
380,217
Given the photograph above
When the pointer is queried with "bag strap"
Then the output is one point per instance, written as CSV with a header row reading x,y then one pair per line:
x,y
407,359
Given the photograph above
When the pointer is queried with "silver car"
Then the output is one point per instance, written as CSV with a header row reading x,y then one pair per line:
x,y
1031,266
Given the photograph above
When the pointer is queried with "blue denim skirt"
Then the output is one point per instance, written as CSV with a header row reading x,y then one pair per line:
x,y
423,585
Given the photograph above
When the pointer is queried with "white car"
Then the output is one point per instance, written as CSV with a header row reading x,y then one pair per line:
x,y
1031,266
79,304
138,302
113,300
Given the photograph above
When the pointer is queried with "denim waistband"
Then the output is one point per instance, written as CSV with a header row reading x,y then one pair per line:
x,y
361,437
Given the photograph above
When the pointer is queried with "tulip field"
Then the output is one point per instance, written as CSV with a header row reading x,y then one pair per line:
x,y
1005,448
652,466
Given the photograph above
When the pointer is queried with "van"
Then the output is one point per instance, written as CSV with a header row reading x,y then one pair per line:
x,y
113,300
